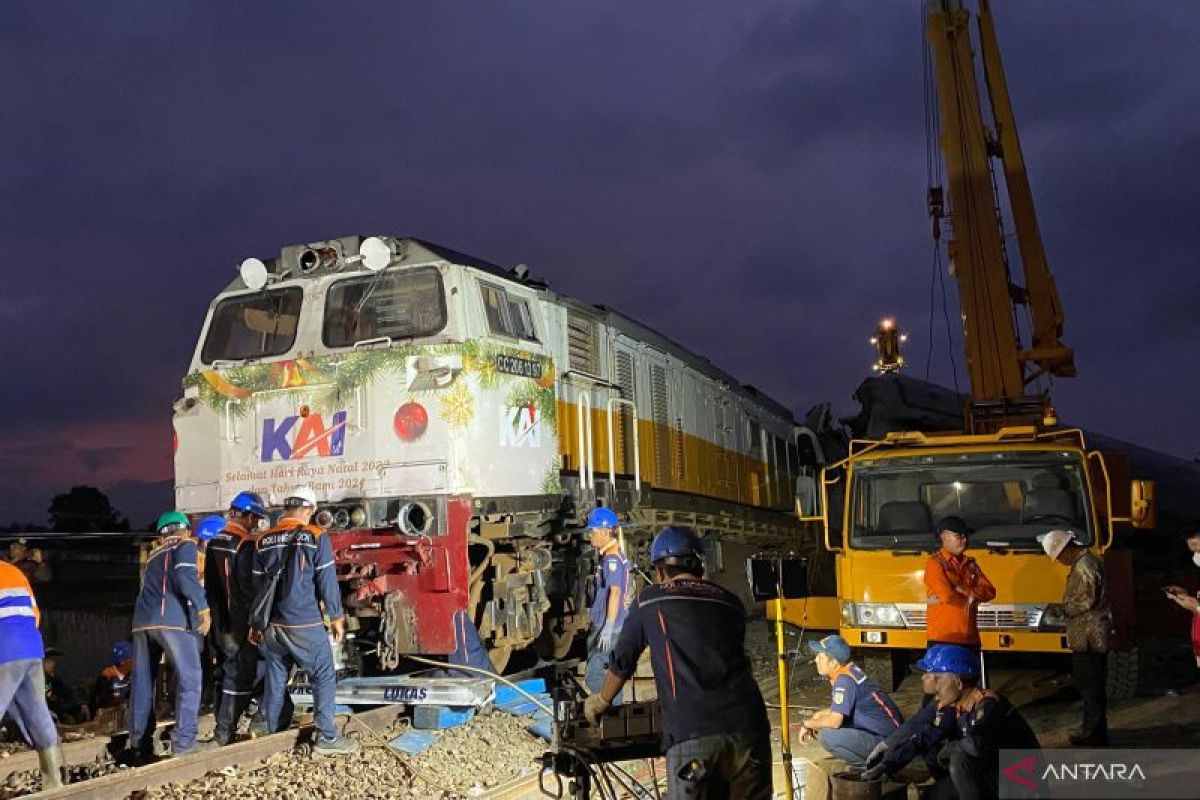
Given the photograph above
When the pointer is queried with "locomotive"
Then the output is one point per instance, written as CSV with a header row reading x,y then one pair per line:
x,y
458,421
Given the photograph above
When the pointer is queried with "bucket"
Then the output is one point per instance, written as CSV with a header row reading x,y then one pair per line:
x,y
799,777
849,786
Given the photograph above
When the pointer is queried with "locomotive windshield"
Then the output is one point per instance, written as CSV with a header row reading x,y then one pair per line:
x,y
253,326
1006,498
397,305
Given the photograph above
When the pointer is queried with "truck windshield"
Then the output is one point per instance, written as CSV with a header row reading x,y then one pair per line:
x,y
396,305
1007,499
253,326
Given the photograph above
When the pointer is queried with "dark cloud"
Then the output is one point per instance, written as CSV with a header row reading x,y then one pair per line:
x,y
748,178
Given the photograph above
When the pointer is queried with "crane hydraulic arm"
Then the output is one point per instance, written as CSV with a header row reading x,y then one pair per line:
x,y
1000,365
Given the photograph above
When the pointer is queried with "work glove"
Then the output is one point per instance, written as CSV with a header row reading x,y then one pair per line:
x,y
873,773
876,756
594,707
605,642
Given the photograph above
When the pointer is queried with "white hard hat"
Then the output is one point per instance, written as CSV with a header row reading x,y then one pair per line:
x,y
301,496
1054,542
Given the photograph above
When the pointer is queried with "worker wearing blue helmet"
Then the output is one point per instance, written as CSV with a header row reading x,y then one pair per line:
x,y
715,726
229,583
960,733
612,592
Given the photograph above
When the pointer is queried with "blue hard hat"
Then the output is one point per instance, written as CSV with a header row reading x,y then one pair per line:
x,y
952,658
249,503
603,518
833,646
121,651
209,527
675,545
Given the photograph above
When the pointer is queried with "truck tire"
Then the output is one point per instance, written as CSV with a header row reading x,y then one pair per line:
x,y
1122,674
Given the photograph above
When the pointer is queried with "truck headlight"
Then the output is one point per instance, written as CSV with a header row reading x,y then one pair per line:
x,y
880,615
848,614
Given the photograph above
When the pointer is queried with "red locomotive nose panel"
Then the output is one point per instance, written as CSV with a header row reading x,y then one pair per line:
x,y
420,580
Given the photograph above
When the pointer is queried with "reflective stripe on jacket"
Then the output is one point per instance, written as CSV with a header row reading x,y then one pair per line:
x,y
308,579
19,617
171,596
228,578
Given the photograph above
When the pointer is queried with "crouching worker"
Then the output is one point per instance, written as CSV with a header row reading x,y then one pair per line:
x,y
861,713
716,732
960,733
22,679
294,575
169,612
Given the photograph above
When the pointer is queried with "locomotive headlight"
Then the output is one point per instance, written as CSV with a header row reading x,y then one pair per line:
x,y
341,518
358,516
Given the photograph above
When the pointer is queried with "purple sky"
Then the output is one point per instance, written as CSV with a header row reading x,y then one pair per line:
x,y
749,178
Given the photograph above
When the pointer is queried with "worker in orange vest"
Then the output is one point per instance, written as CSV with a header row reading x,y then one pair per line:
x,y
22,678
955,586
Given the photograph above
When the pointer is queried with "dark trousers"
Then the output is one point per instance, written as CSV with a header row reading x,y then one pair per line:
x,y
720,767
1091,675
283,648
239,667
183,651
970,778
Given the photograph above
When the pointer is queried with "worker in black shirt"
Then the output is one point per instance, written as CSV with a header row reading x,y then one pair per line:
x,y
716,732
969,724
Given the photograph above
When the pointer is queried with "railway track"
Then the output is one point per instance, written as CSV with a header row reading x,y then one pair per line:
x,y
131,782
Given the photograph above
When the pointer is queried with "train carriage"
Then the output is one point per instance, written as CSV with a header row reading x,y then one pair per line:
x,y
458,421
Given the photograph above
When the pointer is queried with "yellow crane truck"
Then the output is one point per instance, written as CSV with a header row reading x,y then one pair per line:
x,y
1012,472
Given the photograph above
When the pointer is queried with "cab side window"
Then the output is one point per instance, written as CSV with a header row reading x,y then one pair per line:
x,y
507,315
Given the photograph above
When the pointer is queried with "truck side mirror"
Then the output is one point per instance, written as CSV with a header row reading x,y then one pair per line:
x,y
777,578
1142,512
808,499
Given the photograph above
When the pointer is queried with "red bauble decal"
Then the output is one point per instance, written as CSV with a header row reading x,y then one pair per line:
x,y
410,421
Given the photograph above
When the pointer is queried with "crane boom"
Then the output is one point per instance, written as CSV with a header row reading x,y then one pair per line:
x,y
999,364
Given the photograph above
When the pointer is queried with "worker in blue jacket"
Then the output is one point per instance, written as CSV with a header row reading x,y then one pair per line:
x,y
22,679
229,583
960,733
170,611
300,555
715,727
611,595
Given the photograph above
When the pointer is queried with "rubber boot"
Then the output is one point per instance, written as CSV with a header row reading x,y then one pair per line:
x,y
51,763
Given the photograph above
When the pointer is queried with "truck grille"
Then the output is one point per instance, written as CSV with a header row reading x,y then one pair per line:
x,y
990,617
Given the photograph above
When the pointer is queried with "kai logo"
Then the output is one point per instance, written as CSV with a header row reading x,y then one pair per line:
x,y
520,426
296,437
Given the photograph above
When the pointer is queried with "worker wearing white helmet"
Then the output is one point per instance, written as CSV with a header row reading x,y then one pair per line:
x,y
294,576
1089,630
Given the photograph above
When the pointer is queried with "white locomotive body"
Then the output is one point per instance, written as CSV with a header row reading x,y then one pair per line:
x,y
458,421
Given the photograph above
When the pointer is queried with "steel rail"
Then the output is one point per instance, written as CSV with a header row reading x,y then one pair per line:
x,y
82,751
187,768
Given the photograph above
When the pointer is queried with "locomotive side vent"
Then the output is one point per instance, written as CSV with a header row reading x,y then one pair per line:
x,y
583,344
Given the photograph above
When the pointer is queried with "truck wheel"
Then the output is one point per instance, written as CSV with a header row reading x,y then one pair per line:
x,y
1122,674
